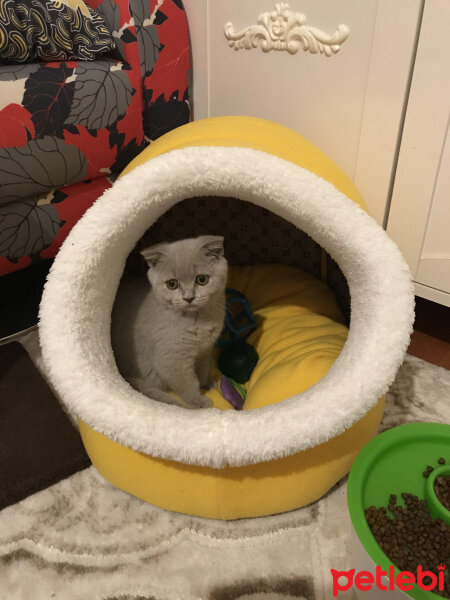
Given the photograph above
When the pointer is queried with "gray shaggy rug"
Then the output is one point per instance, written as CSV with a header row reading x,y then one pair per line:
x,y
84,539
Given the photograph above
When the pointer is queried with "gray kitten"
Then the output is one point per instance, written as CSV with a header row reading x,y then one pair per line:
x,y
163,334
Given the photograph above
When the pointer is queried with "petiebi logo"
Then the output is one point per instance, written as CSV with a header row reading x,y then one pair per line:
x,y
365,581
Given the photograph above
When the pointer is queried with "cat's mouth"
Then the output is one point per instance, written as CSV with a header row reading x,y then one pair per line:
x,y
187,308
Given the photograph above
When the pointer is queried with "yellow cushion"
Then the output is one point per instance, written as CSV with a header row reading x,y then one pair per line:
x,y
299,336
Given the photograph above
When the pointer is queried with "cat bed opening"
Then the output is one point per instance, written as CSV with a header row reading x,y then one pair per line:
x,y
214,463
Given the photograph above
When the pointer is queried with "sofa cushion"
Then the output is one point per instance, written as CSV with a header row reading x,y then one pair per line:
x,y
63,124
51,31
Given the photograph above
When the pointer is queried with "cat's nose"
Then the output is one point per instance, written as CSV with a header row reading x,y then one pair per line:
x,y
189,300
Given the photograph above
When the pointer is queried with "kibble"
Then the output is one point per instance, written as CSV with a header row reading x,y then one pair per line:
x,y
442,490
428,472
411,537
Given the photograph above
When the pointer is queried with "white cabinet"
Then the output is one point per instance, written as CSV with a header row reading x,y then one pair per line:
x,y
350,104
419,217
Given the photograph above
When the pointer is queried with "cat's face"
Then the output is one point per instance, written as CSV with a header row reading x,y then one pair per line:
x,y
189,274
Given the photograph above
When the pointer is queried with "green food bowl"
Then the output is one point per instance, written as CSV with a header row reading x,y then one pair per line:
x,y
393,463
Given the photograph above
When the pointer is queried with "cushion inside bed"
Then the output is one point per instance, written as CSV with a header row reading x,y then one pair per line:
x,y
300,332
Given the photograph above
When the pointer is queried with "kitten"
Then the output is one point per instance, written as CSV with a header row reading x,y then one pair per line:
x,y
163,334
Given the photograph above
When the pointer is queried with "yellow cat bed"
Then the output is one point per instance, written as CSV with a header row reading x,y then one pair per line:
x,y
300,333
293,443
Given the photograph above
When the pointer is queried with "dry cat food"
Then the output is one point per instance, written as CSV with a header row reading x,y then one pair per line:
x,y
442,490
411,536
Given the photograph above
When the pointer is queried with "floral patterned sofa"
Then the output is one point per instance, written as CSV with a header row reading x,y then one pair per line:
x,y
67,129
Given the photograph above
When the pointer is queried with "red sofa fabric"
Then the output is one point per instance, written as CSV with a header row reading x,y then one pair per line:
x,y
67,129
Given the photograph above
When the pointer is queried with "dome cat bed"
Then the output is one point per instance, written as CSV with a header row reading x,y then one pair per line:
x,y
299,208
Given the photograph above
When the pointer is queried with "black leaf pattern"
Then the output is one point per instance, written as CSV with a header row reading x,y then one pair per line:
x,y
48,98
116,138
39,166
128,37
125,155
27,227
161,116
102,95
160,17
58,196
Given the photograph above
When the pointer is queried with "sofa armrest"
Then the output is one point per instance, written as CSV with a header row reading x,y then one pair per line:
x,y
155,37
166,88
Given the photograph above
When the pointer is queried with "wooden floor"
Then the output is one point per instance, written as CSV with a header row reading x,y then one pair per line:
x,y
431,338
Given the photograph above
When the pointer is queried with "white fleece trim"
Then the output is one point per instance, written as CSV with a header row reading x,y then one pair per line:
x,y
78,297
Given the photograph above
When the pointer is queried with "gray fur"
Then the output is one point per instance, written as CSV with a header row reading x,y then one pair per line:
x,y
162,338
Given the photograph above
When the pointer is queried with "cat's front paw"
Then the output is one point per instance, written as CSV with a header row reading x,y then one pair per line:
x,y
202,402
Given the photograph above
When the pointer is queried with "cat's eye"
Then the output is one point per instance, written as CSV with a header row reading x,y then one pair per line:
x,y
172,284
202,279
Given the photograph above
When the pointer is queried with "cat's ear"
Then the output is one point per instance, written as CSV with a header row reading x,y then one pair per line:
x,y
152,255
212,245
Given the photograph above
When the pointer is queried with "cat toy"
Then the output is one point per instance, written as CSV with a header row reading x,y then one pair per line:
x,y
238,358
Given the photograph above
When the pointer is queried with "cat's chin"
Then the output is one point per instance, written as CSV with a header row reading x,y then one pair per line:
x,y
190,309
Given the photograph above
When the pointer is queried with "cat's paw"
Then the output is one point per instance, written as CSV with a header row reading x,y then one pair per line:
x,y
202,402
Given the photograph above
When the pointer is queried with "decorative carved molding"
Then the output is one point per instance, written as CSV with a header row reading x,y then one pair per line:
x,y
282,29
